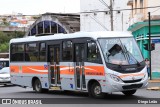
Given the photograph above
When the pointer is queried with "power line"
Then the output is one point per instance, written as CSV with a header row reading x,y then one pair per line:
x,y
123,9
96,20
155,10
110,9
104,3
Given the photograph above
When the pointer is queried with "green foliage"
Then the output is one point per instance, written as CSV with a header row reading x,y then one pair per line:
x,y
6,37
4,47
5,22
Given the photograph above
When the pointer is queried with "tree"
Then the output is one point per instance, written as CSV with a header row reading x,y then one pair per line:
x,y
5,22
6,37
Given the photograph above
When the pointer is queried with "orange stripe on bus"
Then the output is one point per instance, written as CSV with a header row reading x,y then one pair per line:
x,y
126,75
88,70
34,70
66,70
94,70
29,69
14,69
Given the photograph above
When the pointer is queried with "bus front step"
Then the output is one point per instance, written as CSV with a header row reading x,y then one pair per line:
x,y
55,88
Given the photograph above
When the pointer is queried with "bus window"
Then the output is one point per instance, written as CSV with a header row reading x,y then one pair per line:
x,y
17,57
67,51
32,52
17,52
93,54
42,52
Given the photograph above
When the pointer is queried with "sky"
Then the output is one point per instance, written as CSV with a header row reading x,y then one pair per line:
x,y
35,7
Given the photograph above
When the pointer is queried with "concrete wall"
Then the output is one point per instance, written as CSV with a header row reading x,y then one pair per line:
x,y
156,61
100,21
141,15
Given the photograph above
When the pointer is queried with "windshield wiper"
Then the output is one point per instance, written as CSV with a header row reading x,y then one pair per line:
x,y
129,54
138,63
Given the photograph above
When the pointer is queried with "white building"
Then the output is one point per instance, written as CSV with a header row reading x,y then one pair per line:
x,y
101,21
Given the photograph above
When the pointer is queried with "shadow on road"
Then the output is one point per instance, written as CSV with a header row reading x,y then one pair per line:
x,y
67,97
4,86
114,96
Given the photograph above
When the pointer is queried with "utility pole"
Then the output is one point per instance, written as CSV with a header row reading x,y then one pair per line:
x,y
111,11
122,21
149,28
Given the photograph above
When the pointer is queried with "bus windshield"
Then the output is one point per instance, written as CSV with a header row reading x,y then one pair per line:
x,y
121,51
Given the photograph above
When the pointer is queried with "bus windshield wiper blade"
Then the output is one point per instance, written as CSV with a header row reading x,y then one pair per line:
x,y
137,63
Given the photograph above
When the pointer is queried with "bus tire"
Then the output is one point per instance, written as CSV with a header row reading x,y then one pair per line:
x,y
129,92
37,86
96,91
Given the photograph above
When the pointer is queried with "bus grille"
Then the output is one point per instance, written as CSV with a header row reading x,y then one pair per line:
x,y
132,81
133,86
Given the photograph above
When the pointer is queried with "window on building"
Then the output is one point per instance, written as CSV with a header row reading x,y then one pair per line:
x,y
53,27
60,29
42,53
141,6
67,51
17,52
47,26
33,31
132,11
31,53
40,27
135,6
93,54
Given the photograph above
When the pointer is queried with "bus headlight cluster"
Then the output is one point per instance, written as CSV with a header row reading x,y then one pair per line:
x,y
145,76
115,78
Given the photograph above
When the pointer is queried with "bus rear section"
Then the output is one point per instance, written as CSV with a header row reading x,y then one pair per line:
x,y
79,62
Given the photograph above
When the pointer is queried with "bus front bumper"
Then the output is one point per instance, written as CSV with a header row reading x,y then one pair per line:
x,y
114,86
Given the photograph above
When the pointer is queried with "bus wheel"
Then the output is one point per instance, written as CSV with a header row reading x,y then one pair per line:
x,y
129,93
96,90
37,86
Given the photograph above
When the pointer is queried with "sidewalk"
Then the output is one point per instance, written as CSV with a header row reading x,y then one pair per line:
x,y
155,88
154,81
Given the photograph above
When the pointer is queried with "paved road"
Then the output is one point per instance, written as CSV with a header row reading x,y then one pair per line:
x,y
18,92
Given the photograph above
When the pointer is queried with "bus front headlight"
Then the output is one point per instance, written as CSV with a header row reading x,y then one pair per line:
x,y
146,74
115,78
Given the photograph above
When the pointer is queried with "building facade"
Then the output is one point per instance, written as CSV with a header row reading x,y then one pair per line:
x,y
51,23
101,21
139,26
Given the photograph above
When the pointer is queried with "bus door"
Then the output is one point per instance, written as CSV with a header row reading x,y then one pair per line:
x,y
54,58
79,51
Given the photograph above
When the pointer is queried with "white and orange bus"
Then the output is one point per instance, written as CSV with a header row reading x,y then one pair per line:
x,y
94,62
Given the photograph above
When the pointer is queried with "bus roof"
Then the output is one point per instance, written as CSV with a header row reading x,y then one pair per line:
x,y
94,35
4,59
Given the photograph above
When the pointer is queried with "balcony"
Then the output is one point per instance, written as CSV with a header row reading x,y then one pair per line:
x,y
137,18
155,17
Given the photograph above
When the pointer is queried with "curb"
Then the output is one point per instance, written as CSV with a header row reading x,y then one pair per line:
x,y
154,88
154,81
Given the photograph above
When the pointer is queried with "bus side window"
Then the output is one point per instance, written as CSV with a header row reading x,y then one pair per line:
x,y
42,52
27,58
93,54
31,52
17,57
17,51
67,51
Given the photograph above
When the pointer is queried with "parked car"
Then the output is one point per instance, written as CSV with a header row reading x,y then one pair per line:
x,y
5,76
